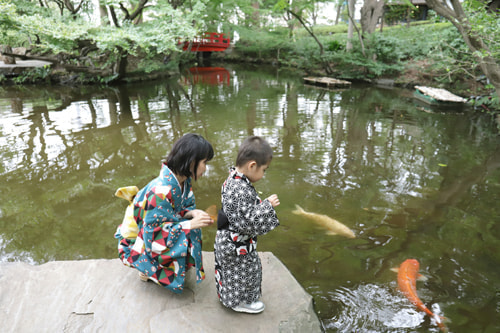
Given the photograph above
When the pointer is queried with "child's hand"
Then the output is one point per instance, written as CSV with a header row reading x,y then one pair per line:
x,y
274,200
200,219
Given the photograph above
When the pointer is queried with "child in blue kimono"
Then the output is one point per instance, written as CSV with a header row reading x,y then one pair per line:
x,y
161,233
244,216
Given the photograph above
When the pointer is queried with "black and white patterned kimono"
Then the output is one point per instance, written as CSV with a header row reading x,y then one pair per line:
x,y
238,271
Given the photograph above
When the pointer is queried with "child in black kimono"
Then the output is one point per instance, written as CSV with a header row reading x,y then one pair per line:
x,y
238,271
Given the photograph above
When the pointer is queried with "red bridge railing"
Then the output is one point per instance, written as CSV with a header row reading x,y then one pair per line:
x,y
208,42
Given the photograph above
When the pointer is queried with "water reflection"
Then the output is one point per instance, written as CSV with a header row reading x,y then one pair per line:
x,y
410,184
208,75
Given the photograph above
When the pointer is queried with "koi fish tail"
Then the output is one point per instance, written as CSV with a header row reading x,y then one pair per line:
x,y
298,210
440,323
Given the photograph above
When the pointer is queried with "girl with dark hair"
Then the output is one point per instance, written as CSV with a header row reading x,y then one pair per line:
x,y
161,233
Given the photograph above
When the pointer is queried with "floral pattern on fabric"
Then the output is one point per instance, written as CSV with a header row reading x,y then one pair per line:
x,y
165,246
238,270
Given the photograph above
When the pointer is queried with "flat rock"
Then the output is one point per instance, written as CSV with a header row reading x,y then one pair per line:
x,y
26,64
104,295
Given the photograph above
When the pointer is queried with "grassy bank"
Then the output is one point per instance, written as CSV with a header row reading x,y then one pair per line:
x,y
424,53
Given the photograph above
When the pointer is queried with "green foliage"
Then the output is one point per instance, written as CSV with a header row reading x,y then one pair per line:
x,y
398,13
484,24
395,14
35,75
263,44
417,41
384,53
451,57
334,46
355,65
324,30
56,33
384,48
487,103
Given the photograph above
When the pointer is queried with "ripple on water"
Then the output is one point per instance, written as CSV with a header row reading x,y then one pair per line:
x,y
373,308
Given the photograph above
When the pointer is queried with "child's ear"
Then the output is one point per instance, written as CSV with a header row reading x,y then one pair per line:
x,y
252,164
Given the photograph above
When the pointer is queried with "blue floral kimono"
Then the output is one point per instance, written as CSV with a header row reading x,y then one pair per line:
x,y
165,246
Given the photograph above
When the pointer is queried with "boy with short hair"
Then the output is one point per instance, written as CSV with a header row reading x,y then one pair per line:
x,y
238,270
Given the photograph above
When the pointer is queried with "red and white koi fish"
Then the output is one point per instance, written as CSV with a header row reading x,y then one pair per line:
x,y
407,276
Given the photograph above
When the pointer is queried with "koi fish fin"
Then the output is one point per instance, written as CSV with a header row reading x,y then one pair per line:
x,y
421,277
298,210
331,233
440,323
395,269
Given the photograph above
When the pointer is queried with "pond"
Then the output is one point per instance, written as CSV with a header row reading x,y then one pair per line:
x,y
409,181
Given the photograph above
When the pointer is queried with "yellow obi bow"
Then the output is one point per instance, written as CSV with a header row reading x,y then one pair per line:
x,y
128,228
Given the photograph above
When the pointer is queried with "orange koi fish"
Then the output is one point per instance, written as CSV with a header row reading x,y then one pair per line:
x,y
407,276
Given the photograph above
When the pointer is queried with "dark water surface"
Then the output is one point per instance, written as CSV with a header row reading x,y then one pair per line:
x,y
409,183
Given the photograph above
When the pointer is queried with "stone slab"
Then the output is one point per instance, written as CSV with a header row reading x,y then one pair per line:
x,y
21,66
106,296
26,63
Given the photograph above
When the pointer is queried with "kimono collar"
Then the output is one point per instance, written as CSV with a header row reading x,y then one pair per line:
x,y
167,173
238,175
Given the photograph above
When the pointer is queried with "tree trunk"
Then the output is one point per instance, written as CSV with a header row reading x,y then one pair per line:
x,y
352,25
103,15
255,14
371,11
350,28
120,67
340,5
457,16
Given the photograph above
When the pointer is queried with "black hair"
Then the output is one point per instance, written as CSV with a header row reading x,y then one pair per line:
x,y
186,150
254,148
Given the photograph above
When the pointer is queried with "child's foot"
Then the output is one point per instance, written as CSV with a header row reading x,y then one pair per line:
x,y
255,307
143,277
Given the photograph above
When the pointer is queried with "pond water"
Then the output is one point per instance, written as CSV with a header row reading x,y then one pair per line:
x,y
409,181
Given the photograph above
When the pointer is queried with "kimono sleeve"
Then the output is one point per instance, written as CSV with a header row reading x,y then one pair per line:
x,y
246,213
165,234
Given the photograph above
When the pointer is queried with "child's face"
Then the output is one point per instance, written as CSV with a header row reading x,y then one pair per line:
x,y
255,173
202,167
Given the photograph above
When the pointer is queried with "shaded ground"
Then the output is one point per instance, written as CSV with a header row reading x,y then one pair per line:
x,y
422,73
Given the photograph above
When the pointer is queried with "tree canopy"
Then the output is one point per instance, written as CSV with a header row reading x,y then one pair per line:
x,y
121,28
99,35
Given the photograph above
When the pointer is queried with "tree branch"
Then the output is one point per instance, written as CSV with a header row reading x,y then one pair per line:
x,y
307,29
359,34
113,16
